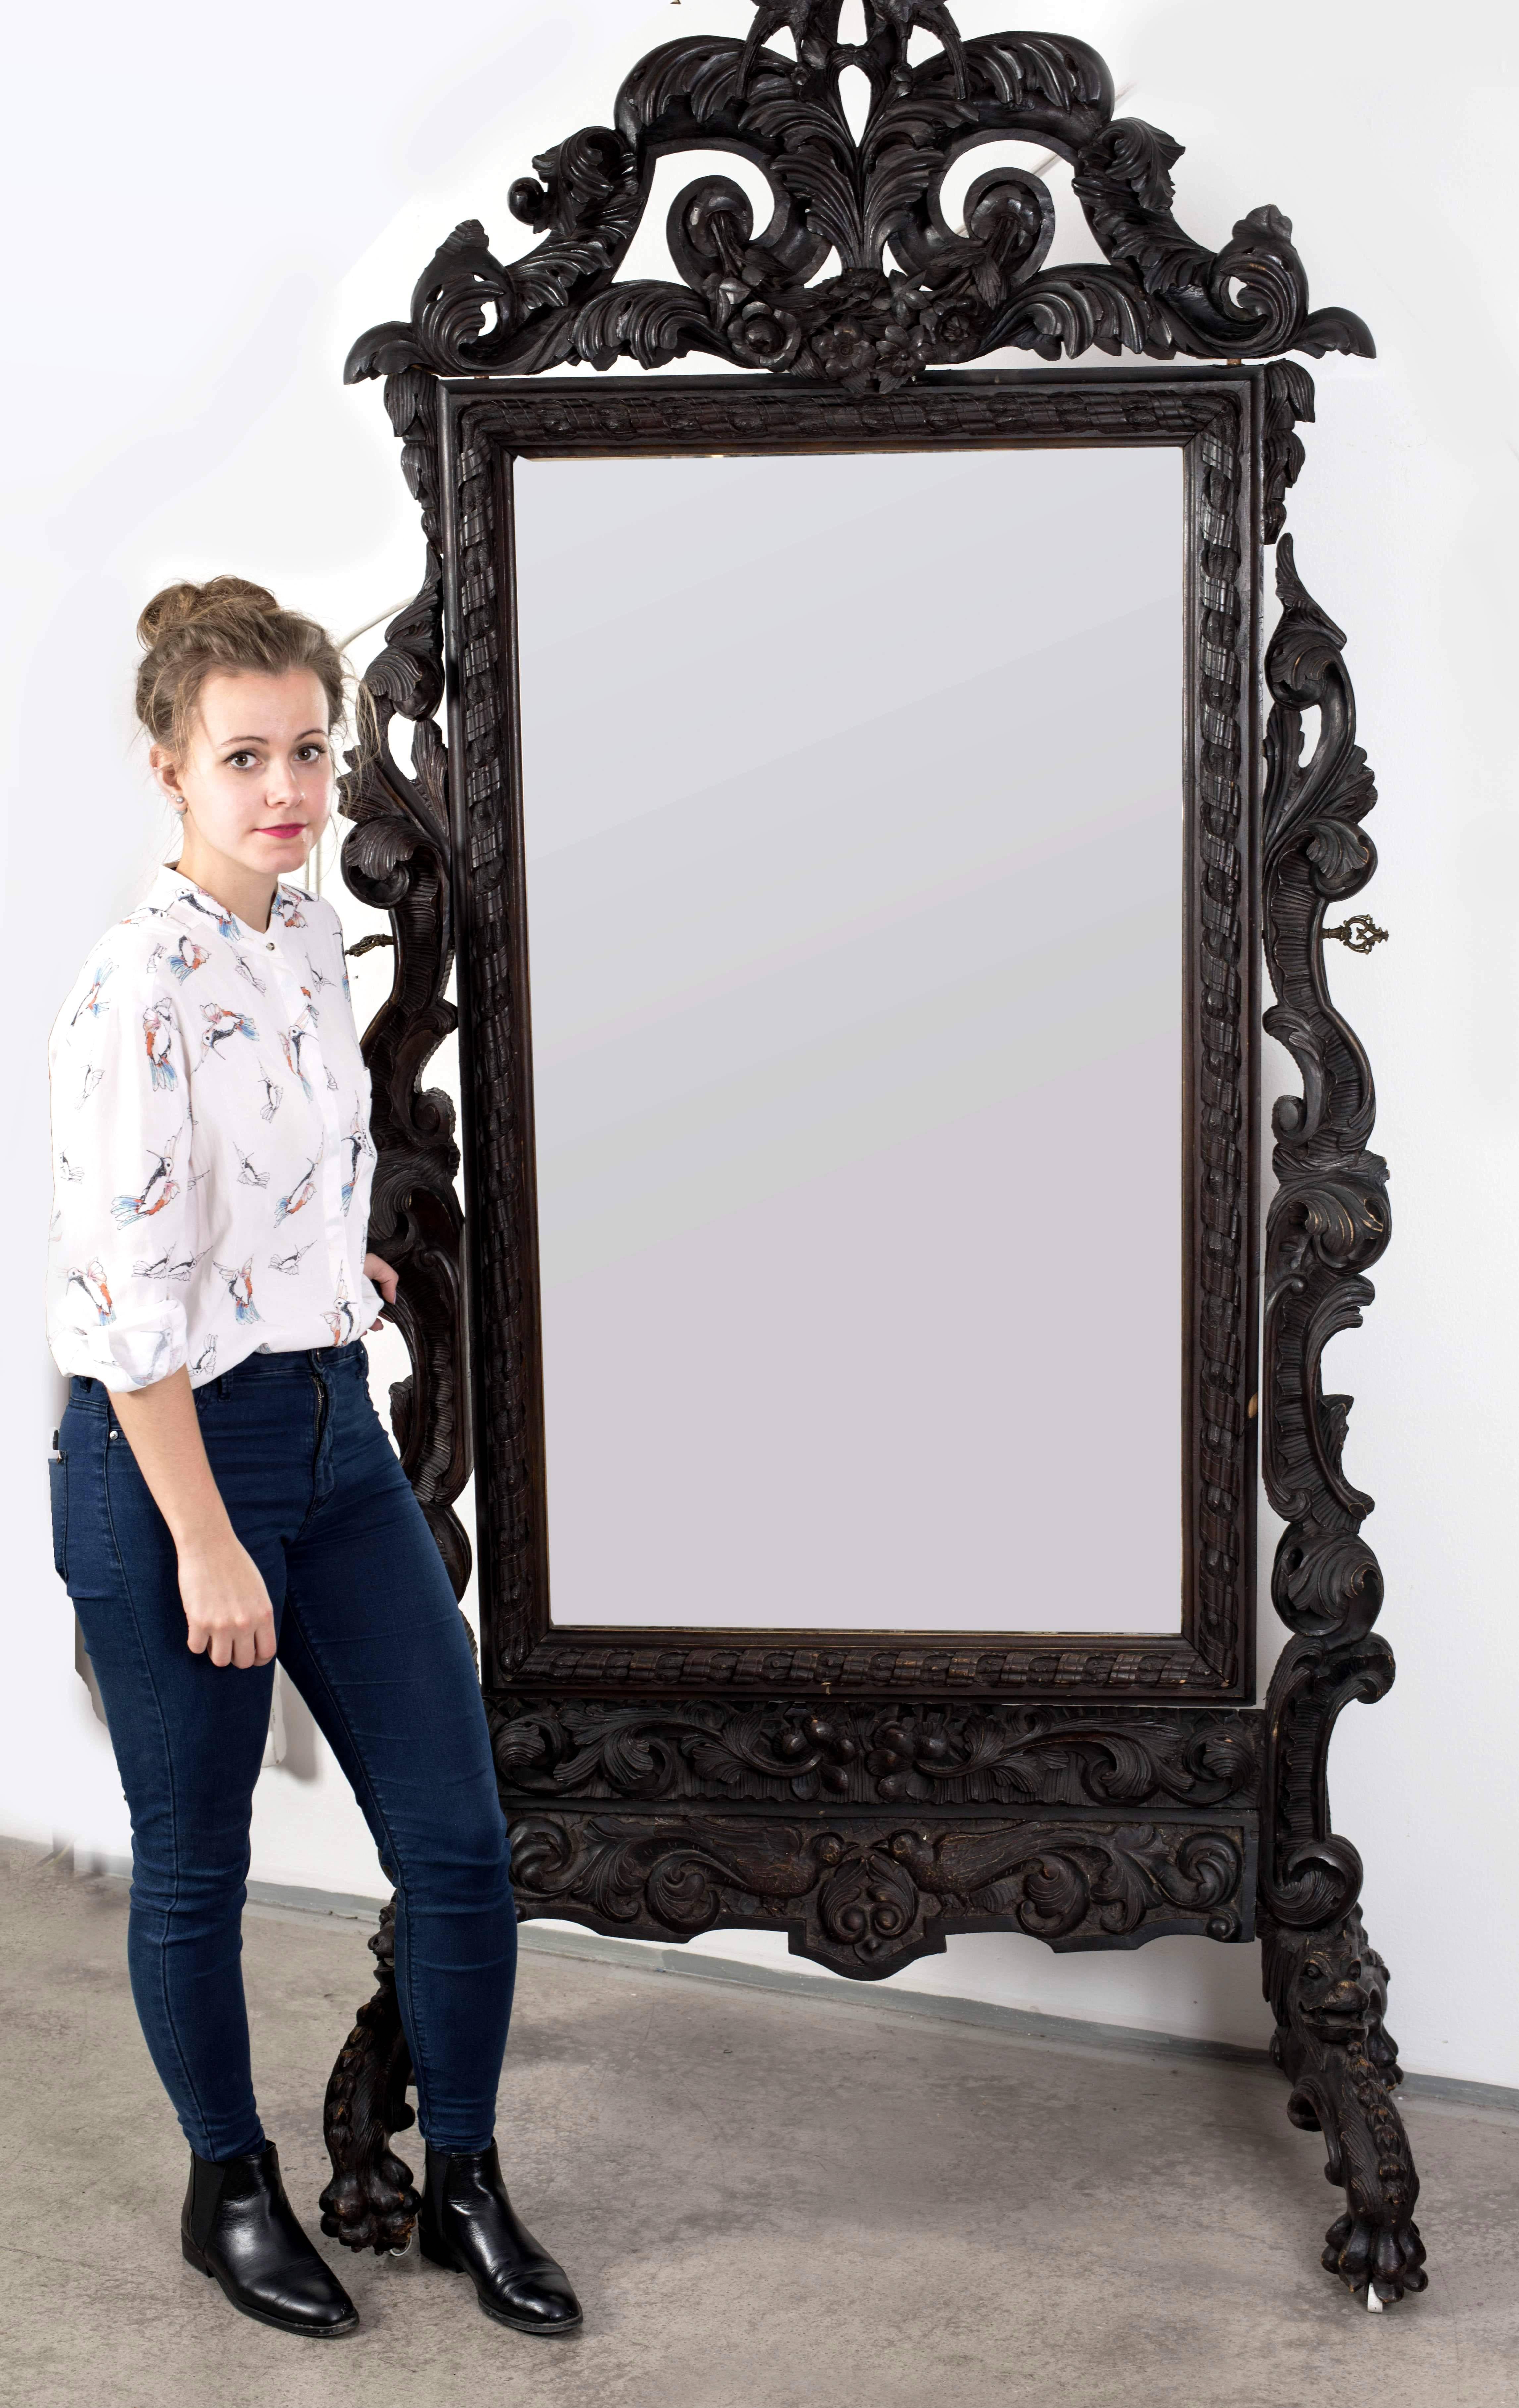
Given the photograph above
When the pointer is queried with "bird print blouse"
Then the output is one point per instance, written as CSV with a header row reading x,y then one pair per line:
x,y
211,1152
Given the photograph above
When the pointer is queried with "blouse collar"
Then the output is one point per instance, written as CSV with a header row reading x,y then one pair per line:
x,y
170,883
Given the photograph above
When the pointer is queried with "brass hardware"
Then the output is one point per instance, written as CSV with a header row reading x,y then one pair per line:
x,y
1252,1408
367,944
1360,934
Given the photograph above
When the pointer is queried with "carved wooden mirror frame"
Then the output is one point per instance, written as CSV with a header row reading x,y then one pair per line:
x,y
869,1792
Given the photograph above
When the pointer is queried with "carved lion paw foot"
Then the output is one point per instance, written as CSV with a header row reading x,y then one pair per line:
x,y
372,2207
1389,2257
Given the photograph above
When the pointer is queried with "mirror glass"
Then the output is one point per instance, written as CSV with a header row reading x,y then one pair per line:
x,y
855,835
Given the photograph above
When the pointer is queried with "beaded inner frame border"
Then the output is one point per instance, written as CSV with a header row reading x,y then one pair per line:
x,y
1215,420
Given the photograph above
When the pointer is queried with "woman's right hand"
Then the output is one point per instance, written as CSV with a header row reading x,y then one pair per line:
x,y
225,1602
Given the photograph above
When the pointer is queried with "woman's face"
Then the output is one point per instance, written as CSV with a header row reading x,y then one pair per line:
x,y
256,778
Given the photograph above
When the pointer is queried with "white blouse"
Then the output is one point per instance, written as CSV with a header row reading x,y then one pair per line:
x,y
211,1152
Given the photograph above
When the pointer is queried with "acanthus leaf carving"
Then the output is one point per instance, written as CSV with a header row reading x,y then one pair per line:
x,y
396,859
1328,1222
1289,403
870,1753
755,298
867,1897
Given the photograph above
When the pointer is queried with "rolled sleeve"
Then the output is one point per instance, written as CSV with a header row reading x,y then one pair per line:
x,y
124,1222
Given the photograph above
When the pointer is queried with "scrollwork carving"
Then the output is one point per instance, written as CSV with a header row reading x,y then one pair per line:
x,y
866,1897
1289,402
396,859
756,298
818,1751
1328,1223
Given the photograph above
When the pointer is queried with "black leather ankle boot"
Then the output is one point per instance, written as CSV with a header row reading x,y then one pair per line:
x,y
239,2226
468,2222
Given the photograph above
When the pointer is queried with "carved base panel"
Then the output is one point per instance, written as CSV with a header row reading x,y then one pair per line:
x,y
865,1894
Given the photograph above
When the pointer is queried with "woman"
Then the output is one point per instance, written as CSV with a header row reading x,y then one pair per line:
x,y
225,1495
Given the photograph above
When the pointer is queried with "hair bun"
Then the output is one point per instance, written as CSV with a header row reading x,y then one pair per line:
x,y
226,627
182,605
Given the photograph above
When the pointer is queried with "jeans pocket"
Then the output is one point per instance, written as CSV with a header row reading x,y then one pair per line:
x,y
58,1492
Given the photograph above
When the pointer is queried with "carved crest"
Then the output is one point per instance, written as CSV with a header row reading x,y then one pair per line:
x,y
858,277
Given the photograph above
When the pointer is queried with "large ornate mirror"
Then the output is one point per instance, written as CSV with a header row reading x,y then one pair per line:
x,y
854,789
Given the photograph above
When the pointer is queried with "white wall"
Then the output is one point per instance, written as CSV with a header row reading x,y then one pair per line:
x,y
202,221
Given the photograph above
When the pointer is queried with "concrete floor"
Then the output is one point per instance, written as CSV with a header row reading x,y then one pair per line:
x,y
763,2203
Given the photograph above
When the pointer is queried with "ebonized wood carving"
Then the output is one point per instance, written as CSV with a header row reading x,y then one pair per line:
x,y
398,858
866,1896
859,1888
1329,1221
370,2202
870,1793
875,1754
756,298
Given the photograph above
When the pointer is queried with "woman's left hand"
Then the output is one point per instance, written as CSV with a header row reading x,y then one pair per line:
x,y
379,1274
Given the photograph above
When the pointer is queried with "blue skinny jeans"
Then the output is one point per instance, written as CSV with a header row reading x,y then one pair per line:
x,y
369,1633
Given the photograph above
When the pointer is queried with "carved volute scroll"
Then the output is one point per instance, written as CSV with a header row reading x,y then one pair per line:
x,y
897,1839
866,1897
1328,1223
911,292
397,859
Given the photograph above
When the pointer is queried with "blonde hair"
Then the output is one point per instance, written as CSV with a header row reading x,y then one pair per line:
x,y
190,633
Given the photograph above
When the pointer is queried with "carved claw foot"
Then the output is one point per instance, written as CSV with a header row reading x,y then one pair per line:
x,y
370,2202
1362,2252
1328,1992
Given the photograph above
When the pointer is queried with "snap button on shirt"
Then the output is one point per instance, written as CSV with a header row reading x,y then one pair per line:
x,y
212,1161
